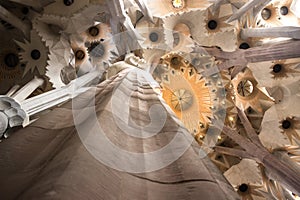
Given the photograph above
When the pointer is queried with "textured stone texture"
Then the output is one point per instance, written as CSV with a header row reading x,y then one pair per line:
x,y
47,160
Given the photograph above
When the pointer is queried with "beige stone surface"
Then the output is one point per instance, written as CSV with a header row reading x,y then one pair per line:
x,y
49,161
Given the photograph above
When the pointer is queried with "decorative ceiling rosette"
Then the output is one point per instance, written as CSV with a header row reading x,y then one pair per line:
x,y
246,178
34,54
11,68
152,33
212,28
271,73
249,94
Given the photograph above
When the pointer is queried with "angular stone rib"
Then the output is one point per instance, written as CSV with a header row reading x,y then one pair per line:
x,y
13,90
145,10
15,21
32,3
285,31
268,52
287,175
26,90
73,173
277,51
55,97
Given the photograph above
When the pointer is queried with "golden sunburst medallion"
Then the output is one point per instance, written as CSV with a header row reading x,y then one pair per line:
x,y
185,91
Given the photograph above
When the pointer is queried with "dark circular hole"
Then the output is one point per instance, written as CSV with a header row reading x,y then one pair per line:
x,y
80,55
212,24
175,61
153,37
250,110
244,45
25,10
286,124
284,10
11,60
277,68
68,2
243,188
35,54
94,31
266,13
